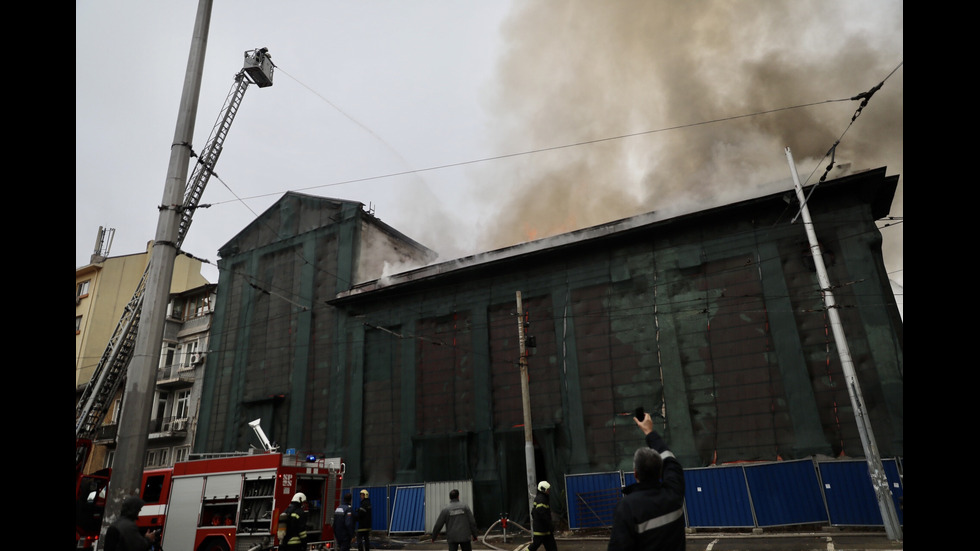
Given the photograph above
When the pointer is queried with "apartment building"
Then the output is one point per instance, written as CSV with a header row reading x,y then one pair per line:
x,y
103,288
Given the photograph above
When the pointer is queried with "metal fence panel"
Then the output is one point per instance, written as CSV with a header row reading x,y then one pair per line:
x,y
851,499
408,510
379,505
591,499
437,497
717,497
786,492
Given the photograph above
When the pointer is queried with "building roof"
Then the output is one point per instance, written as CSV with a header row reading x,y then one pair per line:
x,y
231,247
874,187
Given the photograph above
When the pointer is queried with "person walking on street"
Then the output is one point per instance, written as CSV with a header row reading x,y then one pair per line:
x,y
343,524
295,538
651,513
459,522
542,527
124,535
364,522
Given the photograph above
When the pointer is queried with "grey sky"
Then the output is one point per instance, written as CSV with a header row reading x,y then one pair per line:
x,y
371,88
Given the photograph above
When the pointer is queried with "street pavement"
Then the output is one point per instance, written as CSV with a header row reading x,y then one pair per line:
x,y
821,540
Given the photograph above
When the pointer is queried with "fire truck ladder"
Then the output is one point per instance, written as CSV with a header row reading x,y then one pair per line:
x,y
96,398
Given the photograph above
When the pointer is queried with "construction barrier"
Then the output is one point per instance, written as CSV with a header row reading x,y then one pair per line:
x,y
750,495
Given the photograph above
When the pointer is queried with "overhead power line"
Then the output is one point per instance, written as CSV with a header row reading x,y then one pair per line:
x,y
864,96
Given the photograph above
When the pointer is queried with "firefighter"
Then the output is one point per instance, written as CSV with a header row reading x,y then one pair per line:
x,y
295,538
541,525
364,522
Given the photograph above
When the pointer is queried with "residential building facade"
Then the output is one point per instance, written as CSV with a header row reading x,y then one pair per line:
x,y
103,289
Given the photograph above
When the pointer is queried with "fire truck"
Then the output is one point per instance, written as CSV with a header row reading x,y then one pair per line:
x,y
90,494
234,502
224,503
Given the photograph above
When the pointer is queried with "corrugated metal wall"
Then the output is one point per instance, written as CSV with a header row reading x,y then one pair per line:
x,y
750,495
851,500
592,498
407,510
380,505
786,493
718,497
416,507
437,497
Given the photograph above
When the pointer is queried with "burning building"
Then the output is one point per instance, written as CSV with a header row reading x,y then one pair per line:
x,y
712,320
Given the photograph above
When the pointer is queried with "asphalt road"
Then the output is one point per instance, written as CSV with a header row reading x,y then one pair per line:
x,y
829,540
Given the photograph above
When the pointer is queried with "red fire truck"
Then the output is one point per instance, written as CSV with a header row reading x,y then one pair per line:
x,y
90,492
226,503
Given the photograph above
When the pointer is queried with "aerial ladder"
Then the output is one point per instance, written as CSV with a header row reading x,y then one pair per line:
x,y
97,396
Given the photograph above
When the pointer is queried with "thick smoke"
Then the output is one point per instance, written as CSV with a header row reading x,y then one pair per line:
x,y
581,71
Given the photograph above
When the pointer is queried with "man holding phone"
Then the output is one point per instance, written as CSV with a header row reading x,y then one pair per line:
x,y
651,513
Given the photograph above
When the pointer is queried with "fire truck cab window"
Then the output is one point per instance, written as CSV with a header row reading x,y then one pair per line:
x,y
153,489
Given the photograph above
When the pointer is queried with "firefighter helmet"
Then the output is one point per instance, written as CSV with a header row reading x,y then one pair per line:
x,y
543,486
300,497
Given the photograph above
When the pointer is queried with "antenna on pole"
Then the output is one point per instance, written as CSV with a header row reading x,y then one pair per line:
x,y
879,479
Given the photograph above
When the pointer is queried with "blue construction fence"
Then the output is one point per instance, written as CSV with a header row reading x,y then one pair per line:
x,y
409,508
837,492
382,498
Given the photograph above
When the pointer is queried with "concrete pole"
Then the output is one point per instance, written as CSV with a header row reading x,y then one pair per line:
x,y
526,401
878,478
133,424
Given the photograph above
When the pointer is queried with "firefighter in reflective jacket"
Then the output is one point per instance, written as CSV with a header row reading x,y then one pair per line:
x,y
295,538
364,515
541,525
651,513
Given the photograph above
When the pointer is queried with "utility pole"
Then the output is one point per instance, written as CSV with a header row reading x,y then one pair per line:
x,y
878,478
526,401
141,375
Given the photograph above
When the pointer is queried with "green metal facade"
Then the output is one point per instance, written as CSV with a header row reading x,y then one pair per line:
x,y
713,321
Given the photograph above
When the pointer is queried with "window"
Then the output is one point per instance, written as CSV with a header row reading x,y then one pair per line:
x,y
153,488
197,306
81,290
157,457
181,453
109,456
162,398
176,308
169,354
116,410
190,351
185,308
78,324
181,404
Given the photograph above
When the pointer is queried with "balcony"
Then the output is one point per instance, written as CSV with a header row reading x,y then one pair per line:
x,y
175,376
169,428
106,434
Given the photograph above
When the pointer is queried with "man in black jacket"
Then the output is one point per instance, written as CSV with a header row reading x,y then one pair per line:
x,y
542,528
343,524
459,522
651,514
364,522
295,538
124,535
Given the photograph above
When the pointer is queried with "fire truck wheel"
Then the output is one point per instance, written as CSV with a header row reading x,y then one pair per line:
x,y
216,546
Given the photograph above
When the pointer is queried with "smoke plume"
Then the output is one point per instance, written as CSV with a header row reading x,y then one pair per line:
x,y
583,71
